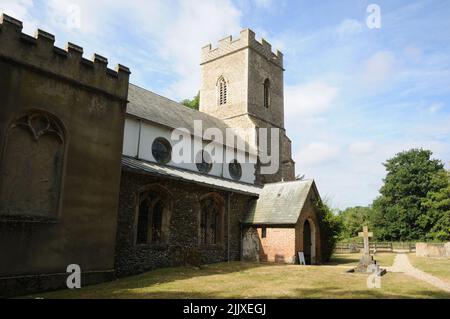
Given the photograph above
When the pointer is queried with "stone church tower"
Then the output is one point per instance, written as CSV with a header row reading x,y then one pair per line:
x,y
242,84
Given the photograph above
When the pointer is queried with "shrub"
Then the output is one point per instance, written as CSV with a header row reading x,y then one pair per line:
x,y
330,226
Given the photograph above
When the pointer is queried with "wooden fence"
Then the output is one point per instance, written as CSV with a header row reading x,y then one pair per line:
x,y
356,247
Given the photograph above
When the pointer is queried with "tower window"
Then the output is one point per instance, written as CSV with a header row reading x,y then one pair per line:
x,y
222,87
266,93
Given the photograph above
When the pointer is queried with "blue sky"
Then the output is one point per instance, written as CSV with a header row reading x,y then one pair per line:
x,y
354,96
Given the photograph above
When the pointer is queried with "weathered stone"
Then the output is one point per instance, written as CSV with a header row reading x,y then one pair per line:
x,y
183,246
64,207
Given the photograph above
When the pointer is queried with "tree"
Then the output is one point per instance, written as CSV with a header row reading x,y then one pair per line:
x,y
194,103
437,204
353,219
398,211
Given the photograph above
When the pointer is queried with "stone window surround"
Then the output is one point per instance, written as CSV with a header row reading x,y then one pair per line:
x,y
64,136
166,197
221,231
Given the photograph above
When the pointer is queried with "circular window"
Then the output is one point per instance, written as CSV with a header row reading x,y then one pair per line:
x,y
235,170
161,150
203,162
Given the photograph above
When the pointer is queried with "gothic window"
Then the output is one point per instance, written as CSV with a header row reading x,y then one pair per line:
x,y
153,218
266,93
203,162
32,167
235,170
211,219
162,150
222,91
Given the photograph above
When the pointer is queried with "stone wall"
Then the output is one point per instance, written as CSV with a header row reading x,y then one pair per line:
x,y
183,245
56,108
433,250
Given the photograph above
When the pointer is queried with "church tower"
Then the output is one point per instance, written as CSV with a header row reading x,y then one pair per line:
x,y
242,84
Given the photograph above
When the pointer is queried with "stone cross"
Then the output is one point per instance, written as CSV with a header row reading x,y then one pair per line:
x,y
366,234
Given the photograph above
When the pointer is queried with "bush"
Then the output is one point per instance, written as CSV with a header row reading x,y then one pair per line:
x,y
330,226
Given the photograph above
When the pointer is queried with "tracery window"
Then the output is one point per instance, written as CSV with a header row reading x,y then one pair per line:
x,y
32,166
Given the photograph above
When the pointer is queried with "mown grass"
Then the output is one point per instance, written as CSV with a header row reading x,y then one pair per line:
x,y
252,280
439,267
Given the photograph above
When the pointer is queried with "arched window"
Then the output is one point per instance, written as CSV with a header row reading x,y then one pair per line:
x,y
222,91
266,93
211,219
32,166
153,216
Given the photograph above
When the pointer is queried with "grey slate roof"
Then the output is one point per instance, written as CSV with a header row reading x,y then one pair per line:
x,y
279,203
188,176
156,108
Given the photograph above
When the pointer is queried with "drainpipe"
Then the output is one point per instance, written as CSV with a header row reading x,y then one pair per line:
x,y
139,139
228,224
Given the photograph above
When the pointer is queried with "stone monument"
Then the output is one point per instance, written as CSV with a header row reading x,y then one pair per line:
x,y
366,263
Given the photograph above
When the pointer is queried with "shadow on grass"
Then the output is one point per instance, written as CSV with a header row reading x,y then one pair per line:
x,y
298,293
342,261
149,279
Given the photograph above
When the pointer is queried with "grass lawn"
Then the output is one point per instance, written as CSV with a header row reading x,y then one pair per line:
x,y
252,280
439,267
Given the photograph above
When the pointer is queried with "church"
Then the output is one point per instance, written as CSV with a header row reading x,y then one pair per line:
x,y
91,172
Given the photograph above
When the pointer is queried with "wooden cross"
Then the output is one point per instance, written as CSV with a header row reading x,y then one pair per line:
x,y
366,234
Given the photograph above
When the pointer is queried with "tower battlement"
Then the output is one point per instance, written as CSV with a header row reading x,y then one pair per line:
x,y
246,39
39,52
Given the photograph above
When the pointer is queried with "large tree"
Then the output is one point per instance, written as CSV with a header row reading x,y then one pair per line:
x,y
437,204
399,212
353,219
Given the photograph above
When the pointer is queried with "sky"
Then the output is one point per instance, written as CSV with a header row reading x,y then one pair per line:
x,y
354,96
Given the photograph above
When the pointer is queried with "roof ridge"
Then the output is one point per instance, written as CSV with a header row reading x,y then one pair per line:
x,y
295,181
185,108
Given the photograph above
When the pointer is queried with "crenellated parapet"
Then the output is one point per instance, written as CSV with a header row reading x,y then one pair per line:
x,y
246,39
39,53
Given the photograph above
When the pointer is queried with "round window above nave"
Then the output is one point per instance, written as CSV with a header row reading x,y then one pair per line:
x,y
162,150
235,170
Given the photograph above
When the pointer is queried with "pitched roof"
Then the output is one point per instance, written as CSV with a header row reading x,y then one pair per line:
x,y
280,203
151,168
158,109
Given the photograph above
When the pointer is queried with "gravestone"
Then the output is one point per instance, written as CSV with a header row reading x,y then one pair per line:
x,y
366,263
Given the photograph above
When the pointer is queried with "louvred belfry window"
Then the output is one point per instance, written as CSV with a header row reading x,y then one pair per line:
x,y
223,91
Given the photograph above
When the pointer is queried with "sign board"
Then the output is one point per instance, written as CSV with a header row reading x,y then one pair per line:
x,y
301,258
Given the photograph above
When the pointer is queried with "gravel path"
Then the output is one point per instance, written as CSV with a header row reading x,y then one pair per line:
x,y
402,264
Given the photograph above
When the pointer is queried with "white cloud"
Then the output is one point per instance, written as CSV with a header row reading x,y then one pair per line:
x,y
170,33
194,27
309,99
20,9
349,27
316,153
378,69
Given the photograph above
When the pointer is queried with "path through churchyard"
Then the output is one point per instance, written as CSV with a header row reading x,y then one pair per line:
x,y
402,265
